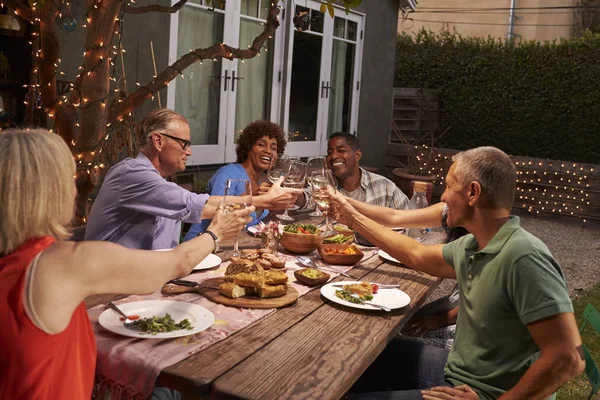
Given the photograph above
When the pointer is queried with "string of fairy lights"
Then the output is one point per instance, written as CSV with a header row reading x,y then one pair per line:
x,y
543,186
93,58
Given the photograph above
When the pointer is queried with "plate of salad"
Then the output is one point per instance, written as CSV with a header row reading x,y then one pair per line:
x,y
158,319
354,294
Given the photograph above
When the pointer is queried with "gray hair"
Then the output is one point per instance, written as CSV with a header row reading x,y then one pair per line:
x,y
493,169
156,120
37,189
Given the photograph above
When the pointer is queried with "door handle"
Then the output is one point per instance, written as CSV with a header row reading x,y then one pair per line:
x,y
323,87
226,77
233,79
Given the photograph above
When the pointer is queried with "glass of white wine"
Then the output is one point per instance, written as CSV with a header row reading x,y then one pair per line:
x,y
237,196
321,184
315,166
295,177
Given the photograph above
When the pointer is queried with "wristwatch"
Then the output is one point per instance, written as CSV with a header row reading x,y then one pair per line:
x,y
216,239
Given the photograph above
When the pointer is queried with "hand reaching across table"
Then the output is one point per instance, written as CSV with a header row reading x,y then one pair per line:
x,y
276,197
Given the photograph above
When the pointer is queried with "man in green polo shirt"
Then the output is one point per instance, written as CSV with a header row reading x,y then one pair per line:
x,y
516,336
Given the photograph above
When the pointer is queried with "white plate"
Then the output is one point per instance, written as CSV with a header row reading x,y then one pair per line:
x,y
385,255
199,317
392,298
252,229
211,261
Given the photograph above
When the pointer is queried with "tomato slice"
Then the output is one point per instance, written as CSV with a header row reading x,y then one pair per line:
x,y
375,287
131,317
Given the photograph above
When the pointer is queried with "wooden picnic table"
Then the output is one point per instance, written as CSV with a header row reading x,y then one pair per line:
x,y
312,349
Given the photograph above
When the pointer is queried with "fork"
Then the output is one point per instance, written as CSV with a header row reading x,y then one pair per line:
x,y
368,303
127,323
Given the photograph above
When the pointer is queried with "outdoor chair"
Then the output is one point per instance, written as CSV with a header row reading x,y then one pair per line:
x,y
591,316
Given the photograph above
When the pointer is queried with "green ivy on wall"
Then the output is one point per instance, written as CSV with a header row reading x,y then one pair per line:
x,y
529,99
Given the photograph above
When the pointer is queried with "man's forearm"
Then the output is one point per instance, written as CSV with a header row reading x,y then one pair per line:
x,y
406,250
422,218
544,377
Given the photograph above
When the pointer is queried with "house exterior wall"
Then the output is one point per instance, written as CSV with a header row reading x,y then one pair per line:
x,y
377,80
138,31
530,24
377,76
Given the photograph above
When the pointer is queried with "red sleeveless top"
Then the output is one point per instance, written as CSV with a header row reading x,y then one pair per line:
x,y
33,363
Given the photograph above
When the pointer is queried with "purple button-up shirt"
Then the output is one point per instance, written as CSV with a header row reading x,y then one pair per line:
x,y
138,208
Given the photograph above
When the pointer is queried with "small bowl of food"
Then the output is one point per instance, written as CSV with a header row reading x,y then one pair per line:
x,y
300,238
311,276
340,254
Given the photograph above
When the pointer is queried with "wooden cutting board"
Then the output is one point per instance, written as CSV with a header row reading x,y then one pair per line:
x,y
249,301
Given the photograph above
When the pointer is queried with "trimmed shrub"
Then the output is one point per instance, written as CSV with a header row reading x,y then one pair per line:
x,y
529,99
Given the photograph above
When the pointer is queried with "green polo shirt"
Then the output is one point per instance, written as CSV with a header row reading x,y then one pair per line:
x,y
512,282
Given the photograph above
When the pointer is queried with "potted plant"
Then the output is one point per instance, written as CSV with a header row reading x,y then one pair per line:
x,y
418,166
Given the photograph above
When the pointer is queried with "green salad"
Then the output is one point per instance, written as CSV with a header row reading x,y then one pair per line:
x,y
347,295
306,229
156,325
339,238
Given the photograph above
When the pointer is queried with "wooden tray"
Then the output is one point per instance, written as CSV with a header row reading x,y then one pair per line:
x,y
249,301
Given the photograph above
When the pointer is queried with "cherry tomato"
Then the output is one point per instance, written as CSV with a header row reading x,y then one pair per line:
x,y
375,287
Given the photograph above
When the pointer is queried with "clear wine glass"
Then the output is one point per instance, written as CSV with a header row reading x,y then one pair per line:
x,y
321,184
315,165
293,158
237,196
295,177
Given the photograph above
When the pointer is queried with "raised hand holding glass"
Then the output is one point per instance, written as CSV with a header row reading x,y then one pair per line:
x,y
237,196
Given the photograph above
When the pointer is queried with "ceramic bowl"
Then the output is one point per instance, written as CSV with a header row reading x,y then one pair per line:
x,y
333,254
300,243
308,281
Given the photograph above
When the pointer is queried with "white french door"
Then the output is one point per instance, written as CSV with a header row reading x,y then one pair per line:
x,y
306,81
220,97
323,78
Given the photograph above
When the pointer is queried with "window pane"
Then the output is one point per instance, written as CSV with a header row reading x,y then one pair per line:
x,y
316,21
305,89
249,7
339,26
197,95
253,91
340,94
352,28
265,6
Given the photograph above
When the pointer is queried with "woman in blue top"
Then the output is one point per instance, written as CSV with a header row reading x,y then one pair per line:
x,y
257,147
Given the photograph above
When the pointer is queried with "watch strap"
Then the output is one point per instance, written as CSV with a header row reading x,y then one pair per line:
x,y
216,240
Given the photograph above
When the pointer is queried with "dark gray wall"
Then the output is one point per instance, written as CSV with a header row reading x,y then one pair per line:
x,y
138,31
377,80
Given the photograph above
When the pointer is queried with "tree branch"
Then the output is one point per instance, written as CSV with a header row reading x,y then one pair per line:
x,y
216,51
22,9
155,8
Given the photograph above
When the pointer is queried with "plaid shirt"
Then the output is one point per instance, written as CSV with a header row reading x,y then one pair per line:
x,y
380,191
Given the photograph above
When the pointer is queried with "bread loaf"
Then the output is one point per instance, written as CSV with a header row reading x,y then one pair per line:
x,y
241,265
275,261
272,291
231,290
249,280
275,277
263,263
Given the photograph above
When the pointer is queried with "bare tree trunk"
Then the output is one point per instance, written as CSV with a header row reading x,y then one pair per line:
x,y
94,84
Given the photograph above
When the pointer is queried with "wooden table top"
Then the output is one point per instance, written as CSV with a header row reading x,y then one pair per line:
x,y
312,349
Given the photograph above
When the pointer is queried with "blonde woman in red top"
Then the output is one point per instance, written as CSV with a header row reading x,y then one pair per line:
x,y
47,345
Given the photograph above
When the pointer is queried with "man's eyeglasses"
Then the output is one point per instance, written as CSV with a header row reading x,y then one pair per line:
x,y
184,143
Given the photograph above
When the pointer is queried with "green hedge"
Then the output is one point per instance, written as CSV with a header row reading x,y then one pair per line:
x,y
529,99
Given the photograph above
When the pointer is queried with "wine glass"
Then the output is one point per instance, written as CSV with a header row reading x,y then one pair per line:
x,y
315,165
237,196
295,177
321,184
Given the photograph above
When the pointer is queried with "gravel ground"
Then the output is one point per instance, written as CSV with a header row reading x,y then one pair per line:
x,y
575,245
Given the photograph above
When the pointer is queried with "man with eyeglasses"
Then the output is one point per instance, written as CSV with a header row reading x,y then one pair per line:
x,y
138,208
